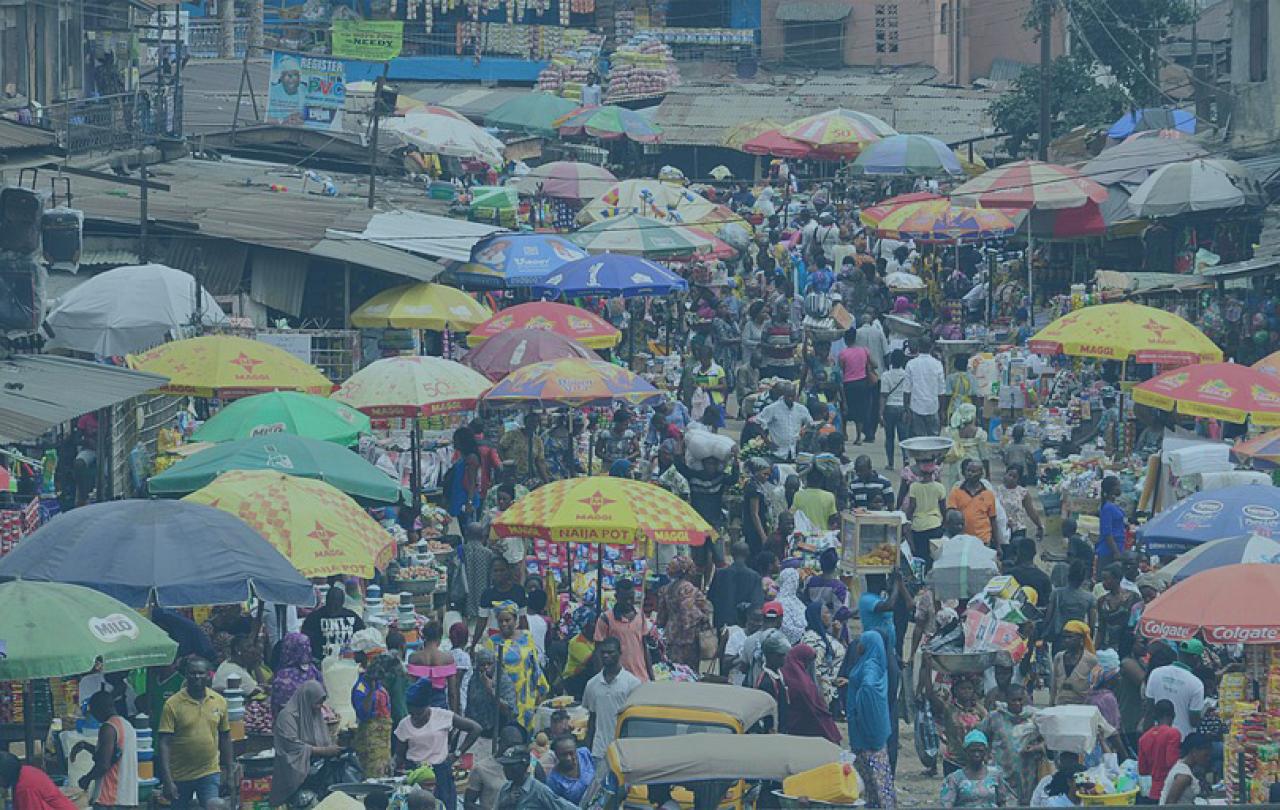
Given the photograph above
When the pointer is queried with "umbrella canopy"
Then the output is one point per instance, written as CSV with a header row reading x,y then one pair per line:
x,y
319,530
902,281
973,166
130,309
1229,605
909,155
656,199
1153,119
1126,330
1227,391
1269,364
56,631
285,412
519,259
531,112
1249,548
574,383
719,248
168,553
773,142
605,510
938,220
516,348
228,367
611,274
640,236
845,132
1263,451
1030,184
446,135
1132,162
291,455
1226,512
412,386
875,214
739,134
568,321
1203,184
610,123
501,198
421,306
566,180
1070,223
1145,134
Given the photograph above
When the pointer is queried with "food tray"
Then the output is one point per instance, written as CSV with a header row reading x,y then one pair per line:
x,y
926,446
962,663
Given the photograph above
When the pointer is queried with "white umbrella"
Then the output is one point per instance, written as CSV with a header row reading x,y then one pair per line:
x,y
129,310
443,135
1204,184
900,280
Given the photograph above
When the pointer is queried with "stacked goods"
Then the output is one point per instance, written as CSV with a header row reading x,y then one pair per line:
x,y
642,68
572,60
1255,725
703,36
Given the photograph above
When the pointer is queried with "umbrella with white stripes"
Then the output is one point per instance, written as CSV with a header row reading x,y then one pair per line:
x,y
1204,184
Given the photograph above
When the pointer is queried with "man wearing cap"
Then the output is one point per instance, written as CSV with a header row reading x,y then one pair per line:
x,y
521,792
1178,684
751,656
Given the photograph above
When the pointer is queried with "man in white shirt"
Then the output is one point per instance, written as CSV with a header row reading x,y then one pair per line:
x,y
605,695
926,388
783,421
1180,686
591,91
870,336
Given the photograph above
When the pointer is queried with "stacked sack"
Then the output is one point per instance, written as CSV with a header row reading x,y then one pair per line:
x,y
643,67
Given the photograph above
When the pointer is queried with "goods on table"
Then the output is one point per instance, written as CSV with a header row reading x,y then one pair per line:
x,y
1255,725
642,68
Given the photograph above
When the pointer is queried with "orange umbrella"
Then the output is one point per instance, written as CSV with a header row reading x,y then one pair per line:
x,y
1226,391
1269,364
572,322
1227,605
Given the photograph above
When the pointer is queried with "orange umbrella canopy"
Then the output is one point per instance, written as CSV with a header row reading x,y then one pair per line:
x,y
572,322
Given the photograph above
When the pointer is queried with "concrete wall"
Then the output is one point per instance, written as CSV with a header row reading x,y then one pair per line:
x,y
1256,108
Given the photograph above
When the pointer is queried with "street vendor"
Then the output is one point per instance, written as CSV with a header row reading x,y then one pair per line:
x,y
30,788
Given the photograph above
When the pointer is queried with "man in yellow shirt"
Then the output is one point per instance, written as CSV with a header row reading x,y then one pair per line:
x,y
817,504
194,740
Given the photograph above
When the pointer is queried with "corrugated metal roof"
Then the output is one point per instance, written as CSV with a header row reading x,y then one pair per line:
x,y
423,234
38,392
812,11
278,279
1006,70
216,263
1212,25
115,257
386,259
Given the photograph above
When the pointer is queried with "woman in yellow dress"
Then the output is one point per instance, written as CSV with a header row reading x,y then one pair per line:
x,y
518,656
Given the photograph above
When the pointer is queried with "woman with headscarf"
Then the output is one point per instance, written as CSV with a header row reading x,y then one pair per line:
x,y
296,668
894,670
372,703
517,655
977,784
968,441
793,618
491,697
1102,682
870,720
683,612
807,712
773,652
1072,665
300,734
828,650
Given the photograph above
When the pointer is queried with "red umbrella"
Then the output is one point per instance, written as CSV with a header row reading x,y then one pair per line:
x,y
1030,184
504,353
1227,604
873,216
775,143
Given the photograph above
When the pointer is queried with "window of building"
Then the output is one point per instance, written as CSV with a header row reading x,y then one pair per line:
x,y
942,18
886,27
1259,20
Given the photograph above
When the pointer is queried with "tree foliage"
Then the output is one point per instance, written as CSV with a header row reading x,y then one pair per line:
x,y
1124,36
1076,99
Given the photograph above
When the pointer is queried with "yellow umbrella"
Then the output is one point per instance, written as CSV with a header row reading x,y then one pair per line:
x,y
972,168
421,306
739,134
226,366
318,528
1123,331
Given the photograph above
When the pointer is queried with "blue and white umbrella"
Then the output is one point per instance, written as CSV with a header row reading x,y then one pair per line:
x,y
515,260
1205,516
914,155
611,274
1249,548
1153,118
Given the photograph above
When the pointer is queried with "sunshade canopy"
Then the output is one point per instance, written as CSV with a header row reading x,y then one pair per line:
x,y
519,260
410,386
636,235
566,180
421,306
569,321
515,348
1249,548
1227,391
531,112
692,758
745,706
228,366
908,155
1153,119
573,382
611,274
1205,516
1262,451
1202,184
656,199
290,412
1132,162
840,131
1126,331
610,123
1234,604
1030,184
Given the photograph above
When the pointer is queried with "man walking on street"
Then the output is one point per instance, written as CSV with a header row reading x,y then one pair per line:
x,y
926,390
194,740
605,695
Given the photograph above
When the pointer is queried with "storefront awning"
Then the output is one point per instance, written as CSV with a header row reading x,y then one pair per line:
x,y
812,11
38,392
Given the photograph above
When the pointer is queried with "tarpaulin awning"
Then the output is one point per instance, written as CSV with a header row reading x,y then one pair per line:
x,y
41,391
813,11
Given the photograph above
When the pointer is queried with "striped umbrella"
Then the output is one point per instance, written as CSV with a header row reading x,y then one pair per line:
x,y
655,199
843,131
1030,184
741,133
1263,451
566,180
940,221
1204,184
773,142
1227,391
873,216
531,112
1249,548
639,236
610,123
912,155
573,382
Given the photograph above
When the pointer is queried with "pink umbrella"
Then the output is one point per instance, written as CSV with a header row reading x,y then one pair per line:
x,y
504,353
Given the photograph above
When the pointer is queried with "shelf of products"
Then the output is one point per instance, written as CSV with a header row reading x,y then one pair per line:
x,y
642,68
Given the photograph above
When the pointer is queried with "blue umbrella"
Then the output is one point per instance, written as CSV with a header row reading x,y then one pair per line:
x,y
1250,548
1153,118
1218,513
916,155
611,274
516,260
169,553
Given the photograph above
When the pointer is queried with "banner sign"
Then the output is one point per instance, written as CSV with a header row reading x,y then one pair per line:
x,y
367,40
306,91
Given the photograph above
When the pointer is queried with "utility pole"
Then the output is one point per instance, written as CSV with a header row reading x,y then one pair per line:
x,y
1046,60
143,214
226,29
373,139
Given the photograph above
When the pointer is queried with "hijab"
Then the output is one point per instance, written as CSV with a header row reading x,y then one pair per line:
x,y
296,668
867,696
807,714
793,617
813,621
873,619
298,728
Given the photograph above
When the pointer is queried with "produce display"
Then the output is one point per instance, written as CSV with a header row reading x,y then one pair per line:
x,y
537,42
886,554
642,68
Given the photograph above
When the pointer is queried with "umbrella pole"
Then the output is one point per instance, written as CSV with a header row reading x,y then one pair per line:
x,y
600,578
1031,298
28,722
415,469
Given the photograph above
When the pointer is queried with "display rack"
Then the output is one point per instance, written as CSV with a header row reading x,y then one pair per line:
x,y
865,552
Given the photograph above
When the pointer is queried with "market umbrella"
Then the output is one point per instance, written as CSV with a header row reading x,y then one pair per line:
x,y
773,142
1152,119
168,553
411,386
603,510
130,309
1227,391
56,631
566,180
1263,451
531,112
938,220
656,199
507,351
908,155
902,281
1205,516
1030,184
487,202
291,455
1248,548
1229,605
873,215
1132,162
228,367
446,135
421,306
1202,184
609,123
611,274
739,134
317,528
1269,364
1123,331
640,236
574,383
566,320
1147,134
845,132
517,259
284,412
973,165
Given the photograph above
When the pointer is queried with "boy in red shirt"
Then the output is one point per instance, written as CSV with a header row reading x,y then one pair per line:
x,y
30,787
1158,748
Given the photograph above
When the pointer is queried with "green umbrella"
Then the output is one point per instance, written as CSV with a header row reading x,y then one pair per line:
x,y
635,235
307,415
291,455
494,197
52,630
531,112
